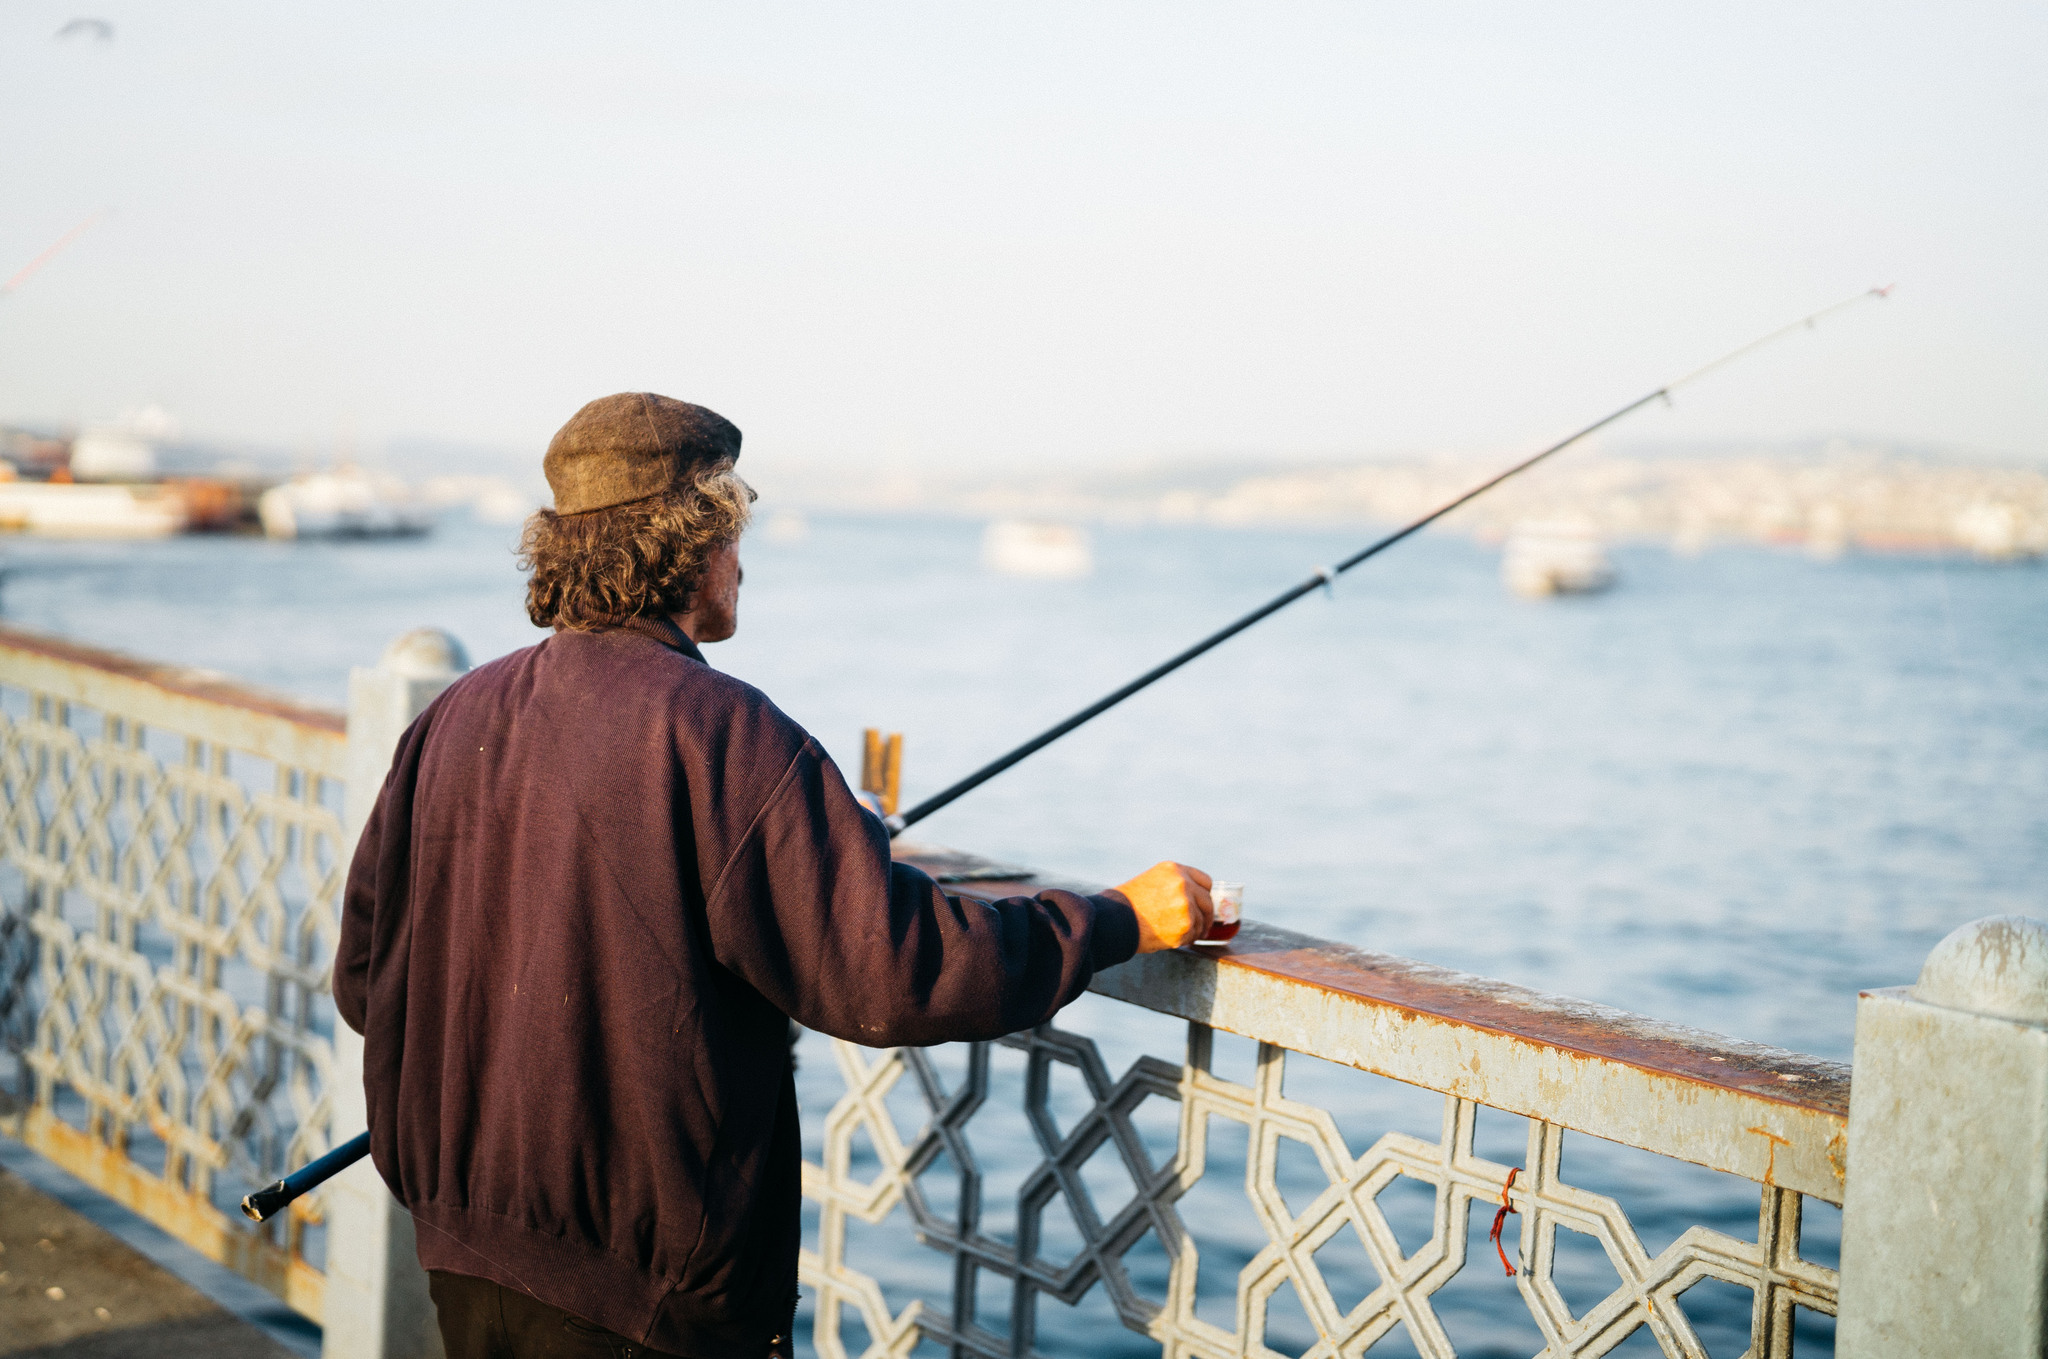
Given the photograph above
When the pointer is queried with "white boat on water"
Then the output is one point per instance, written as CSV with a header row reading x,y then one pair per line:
x,y
343,504
1555,557
1998,532
1017,547
56,509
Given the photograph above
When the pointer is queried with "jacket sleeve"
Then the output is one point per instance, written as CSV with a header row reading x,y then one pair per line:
x,y
373,901
358,916
813,913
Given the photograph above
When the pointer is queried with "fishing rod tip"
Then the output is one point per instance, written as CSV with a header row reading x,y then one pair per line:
x,y
1885,291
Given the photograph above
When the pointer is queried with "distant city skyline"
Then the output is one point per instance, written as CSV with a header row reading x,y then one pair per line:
x,y
935,236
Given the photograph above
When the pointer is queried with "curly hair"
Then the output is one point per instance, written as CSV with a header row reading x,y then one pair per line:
x,y
596,570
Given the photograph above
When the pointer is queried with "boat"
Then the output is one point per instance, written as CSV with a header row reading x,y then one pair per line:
x,y
125,452
1555,557
1044,551
1997,532
66,509
342,504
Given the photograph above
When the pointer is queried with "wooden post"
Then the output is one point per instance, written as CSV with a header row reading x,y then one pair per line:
x,y
881,767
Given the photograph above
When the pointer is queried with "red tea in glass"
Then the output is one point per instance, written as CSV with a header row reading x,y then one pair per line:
x,y
1229,899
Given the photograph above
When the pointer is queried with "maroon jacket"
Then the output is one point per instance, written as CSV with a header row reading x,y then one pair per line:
x,y
599,875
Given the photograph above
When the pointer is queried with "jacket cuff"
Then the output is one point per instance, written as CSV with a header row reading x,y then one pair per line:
x,y
1115,936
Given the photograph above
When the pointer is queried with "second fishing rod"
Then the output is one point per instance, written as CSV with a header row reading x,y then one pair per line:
x,y
1326,576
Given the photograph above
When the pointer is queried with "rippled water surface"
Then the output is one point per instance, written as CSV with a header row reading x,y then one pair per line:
x,y
1730,793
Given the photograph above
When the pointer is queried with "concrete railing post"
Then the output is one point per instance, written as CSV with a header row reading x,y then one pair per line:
x,y
377,1305
1945,1214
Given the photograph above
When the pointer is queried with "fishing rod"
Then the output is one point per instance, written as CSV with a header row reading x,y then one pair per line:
x,y
264,1202
1325,576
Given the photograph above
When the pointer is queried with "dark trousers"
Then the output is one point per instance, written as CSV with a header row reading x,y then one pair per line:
x,y
485,1320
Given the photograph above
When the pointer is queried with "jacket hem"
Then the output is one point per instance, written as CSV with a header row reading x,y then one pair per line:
x,y
599,1287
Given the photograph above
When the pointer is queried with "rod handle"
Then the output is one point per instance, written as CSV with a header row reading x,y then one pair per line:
x,y
262,1204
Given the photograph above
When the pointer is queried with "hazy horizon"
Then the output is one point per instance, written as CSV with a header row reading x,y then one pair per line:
x,y
931,236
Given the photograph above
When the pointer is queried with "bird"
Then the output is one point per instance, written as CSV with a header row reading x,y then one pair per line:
x,y
97,28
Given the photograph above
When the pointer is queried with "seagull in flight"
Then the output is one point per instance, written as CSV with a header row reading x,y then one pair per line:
x,y
96,28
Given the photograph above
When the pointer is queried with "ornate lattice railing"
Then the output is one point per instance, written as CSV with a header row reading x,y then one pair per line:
x,y
171,861
1775,1118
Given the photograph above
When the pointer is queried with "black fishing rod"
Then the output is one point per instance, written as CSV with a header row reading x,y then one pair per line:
x,y
1325,576
264,1202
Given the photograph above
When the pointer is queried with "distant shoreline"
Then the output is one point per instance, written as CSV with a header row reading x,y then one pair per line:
x,y
1860,500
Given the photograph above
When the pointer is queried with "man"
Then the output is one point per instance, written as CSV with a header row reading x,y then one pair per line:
x,y
598,877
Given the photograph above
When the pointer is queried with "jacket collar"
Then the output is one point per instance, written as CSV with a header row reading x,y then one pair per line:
x,y
664,630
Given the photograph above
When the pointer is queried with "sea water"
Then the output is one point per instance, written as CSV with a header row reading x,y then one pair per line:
x,y
1730,793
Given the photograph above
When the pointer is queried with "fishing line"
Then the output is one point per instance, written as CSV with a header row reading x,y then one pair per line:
x,y
39,261
1326,576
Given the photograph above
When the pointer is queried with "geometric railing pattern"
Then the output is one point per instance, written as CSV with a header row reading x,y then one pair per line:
x,y
1647,1296
168,908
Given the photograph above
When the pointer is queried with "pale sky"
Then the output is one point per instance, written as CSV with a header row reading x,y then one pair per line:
x,y
996,235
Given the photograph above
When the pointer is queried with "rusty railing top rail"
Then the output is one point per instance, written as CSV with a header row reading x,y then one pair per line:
x,y
178,698
1768,1114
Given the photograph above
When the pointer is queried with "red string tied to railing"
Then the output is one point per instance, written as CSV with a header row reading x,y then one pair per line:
x,y
1500,1219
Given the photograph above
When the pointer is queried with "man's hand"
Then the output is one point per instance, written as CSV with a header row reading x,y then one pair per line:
x,y
1172,903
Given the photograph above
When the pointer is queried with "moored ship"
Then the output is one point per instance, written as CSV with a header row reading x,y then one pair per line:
x,y
341,504
80,510
1555,557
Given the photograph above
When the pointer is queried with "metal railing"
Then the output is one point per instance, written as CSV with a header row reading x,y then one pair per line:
x,y
172,850
1773,1117
171,862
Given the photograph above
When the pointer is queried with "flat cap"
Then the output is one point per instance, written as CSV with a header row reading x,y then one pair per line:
x,y
631,446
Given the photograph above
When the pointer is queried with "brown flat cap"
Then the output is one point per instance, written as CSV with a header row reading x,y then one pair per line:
x,y
631,446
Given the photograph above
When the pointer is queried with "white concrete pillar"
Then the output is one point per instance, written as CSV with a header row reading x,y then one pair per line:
x,y
1945,1214
377,1305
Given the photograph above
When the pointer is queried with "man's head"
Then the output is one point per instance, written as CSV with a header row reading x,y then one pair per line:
x,y
647,509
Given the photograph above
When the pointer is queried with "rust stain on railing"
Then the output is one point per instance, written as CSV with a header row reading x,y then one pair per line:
x,y
1583,1027
189,1217
1771,1166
